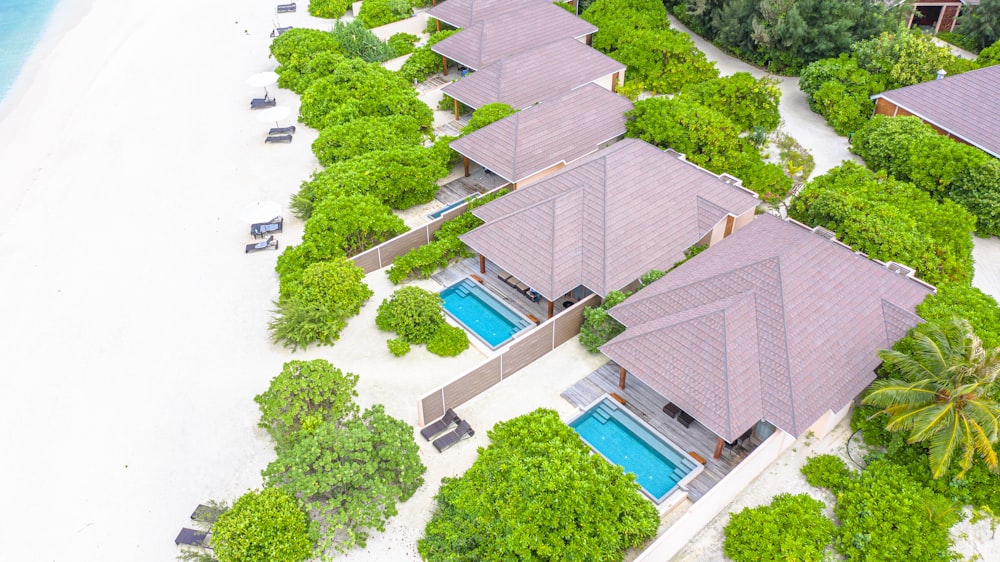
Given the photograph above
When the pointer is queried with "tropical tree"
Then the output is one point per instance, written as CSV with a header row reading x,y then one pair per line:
x,y
981,23
262,526
944,395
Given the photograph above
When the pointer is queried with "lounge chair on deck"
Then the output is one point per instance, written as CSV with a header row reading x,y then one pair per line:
x,y
445,423
280,30
192,537
685,418
278,138
671,409
259,229
263,103
263,245
463,431
282,130
205,514
285,8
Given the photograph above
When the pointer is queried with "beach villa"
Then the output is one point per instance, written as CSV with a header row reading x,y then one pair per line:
x,y
464,13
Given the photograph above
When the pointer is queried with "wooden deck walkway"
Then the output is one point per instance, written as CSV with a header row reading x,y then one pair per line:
x,y
477,182
647,404
464,268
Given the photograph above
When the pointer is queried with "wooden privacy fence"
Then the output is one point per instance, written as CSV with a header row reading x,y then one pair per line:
x,y
525,349
382,255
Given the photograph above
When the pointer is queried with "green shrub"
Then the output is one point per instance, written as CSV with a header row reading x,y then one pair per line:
x,y
981,23
884,143
747,101
598,326
989,56
424,62
415,314
978,189
402,43
358,42
843,110
827,471
364,135
958,40
448,341
375,13
305,55
964,301
262,526
328,8
904,57
398,346
651,276
789,528
359,89
351,224
487,114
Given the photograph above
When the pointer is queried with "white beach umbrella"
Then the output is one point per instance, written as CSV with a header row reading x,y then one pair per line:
x,y
262,80
274,114
260,211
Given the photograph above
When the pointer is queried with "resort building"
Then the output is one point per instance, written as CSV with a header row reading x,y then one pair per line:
x,y
464,13
487,41
963,107
518,80
936,16
534,142
599,224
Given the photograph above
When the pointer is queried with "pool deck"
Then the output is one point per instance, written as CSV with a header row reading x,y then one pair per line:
x,y
647,404
462,187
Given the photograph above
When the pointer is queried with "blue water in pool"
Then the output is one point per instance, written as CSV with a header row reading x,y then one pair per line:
x,y
21,26
482,313
610,431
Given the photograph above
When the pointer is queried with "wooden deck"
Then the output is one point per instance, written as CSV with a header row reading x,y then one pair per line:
x,y
477,182
539,310
644,402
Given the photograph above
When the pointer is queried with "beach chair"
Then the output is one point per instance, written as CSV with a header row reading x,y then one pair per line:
x,y
463,431
191,537
263,103
286,8
259,229
278,138
282,130
445,423
205,514
279,31
263,245
671,409
685,419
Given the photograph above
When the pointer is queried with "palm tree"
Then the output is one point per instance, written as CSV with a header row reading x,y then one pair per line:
x,y
947,396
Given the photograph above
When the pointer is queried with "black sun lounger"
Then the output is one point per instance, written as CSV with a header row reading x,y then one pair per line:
x,y
278,138
206,514
435,428
285,8
191,537
282,130
463,431
259,229
263,103
279,31
269,243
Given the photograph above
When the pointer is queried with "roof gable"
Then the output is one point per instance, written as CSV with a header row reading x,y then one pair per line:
x,y
463,13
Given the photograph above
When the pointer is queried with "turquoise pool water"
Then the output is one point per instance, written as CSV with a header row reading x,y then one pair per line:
x,y
657,464
443,210
21,26
481,313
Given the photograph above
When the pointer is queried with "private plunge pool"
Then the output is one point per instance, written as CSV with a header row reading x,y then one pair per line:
x,y
659,466
481,313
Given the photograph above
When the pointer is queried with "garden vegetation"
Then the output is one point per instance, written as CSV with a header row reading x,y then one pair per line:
x,y
417,317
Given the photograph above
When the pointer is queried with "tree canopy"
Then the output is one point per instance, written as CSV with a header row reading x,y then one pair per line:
x,y
537,492
747,101
366,134
489,113
981,23
788,528
262,526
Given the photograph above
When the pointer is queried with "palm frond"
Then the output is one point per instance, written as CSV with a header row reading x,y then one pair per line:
x,y
942,446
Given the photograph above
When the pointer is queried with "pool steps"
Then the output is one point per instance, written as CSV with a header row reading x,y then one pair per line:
x,y
607,409
466,286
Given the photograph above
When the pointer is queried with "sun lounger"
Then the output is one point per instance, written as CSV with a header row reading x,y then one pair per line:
x,y
282,130
684,418
279,31
259,229
286,8
263,245
445,423
263,103
463,431
671,409
191,537
206,514
278,138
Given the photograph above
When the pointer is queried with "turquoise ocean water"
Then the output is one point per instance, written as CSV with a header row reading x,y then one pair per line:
x,y
21,25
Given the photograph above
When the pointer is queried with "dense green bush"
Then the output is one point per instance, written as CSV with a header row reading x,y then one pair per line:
x,y
747,101
904,57
305,55
375,13
364,135
958,40
538,493
890,220
328,8
964,301
402,43
305,395
989,56
977,188
415,314
840,91
352,224
598,326
489,113
789,528
884,143
981,23
358,42
262,526
448,341
827,471
398,347
424,62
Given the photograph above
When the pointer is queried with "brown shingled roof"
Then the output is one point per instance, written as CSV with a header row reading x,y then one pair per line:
x,y
966,105
530,76
487,41
463,13
774,323
605,220
559,130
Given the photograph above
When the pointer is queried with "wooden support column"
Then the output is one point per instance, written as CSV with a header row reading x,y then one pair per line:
x,y
718,449
444,63
466,160
551,308
437,23
590,40
614,82
456,109
482,263
621,378
730,223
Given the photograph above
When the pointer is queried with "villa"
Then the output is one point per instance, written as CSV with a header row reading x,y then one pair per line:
x,y
526,146
464,13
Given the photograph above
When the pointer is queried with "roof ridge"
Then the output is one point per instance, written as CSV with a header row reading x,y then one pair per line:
x,y
604,225
784,345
